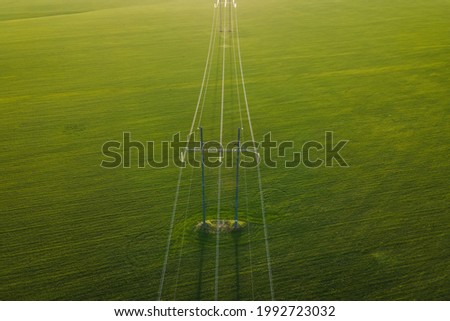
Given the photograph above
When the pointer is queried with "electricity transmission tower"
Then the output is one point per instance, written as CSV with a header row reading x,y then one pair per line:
x,y
222,110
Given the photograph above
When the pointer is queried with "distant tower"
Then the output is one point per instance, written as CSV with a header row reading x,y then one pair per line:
x,y
225,7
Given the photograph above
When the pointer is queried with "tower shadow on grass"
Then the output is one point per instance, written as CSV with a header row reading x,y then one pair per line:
x,y
207,236
236,237
203,239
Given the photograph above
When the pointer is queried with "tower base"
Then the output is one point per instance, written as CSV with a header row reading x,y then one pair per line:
x,y
221,226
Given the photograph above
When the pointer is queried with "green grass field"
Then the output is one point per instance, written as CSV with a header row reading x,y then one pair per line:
x,y
77,73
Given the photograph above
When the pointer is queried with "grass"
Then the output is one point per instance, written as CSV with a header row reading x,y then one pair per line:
x,y
75,75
